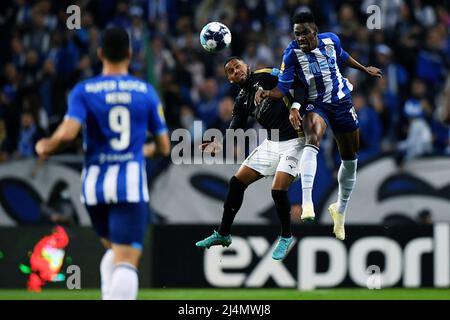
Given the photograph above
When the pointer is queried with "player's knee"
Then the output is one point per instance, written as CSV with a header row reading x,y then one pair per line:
x,y
282,182
126,253
279,195
235,194
237,184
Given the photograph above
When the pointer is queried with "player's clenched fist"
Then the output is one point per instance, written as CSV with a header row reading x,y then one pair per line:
x,y
42,147
211,147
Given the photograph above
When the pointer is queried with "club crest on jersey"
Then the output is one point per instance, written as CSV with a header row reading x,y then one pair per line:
x,y
329,52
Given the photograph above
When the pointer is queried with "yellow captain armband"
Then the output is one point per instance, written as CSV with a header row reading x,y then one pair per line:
x,y
264,70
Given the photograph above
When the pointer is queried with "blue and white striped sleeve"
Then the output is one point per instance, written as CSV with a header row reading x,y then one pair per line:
x,y
341,55
287,71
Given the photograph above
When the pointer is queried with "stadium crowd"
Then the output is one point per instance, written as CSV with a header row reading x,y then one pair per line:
x,y
41,59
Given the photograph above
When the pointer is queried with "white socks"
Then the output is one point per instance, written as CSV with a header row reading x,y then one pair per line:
x,y
124,282
106,270
308,166
346,180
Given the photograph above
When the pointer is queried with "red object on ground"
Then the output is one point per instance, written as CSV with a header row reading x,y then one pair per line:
x,y
42,267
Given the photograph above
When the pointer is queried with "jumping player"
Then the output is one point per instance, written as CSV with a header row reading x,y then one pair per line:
x,y
273,157
315,58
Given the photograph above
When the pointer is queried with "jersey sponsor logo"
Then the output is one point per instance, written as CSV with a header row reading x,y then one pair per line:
x,y
314,68
310,107
290,158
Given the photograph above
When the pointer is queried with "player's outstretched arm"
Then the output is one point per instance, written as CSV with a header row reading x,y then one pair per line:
x,y
212,147
65,133
371,71
261,94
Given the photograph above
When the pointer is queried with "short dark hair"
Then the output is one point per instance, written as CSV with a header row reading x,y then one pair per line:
x,y
303,17
231,58
115,43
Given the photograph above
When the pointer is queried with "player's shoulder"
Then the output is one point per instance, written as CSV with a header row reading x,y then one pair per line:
x,y
80,87
291,47
267,71
329,35
290,52
264,75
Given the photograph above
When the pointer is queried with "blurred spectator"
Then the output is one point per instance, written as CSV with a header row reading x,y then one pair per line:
x,y
17,52
29,135
38,37
424,13
431,62
348,23
208,107
387,105
370,128
45,60
225,113
419,139
396,75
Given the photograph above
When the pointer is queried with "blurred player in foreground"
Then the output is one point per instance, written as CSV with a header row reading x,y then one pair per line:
x,y
115,111
315,58
273,157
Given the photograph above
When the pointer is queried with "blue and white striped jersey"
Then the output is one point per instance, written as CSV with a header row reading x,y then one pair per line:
x,y
116,112
318,69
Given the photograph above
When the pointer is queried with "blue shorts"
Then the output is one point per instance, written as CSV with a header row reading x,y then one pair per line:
x,y
340,117
121,223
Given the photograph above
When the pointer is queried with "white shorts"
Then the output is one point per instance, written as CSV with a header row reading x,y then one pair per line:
x,y
272,156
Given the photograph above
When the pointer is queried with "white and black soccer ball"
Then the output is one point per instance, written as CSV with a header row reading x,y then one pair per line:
x,y
215,37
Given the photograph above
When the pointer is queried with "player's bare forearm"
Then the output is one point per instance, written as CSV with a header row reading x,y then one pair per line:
x,y
149,150
371,71
274,93
162,145
352,63
64,134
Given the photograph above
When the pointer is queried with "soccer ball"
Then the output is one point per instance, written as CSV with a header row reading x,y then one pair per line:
x,y
215,37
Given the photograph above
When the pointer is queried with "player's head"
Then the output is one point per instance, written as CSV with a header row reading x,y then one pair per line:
x,y
236,70
305,31
115,45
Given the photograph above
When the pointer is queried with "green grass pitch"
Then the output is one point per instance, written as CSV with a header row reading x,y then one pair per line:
x,y
238,294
